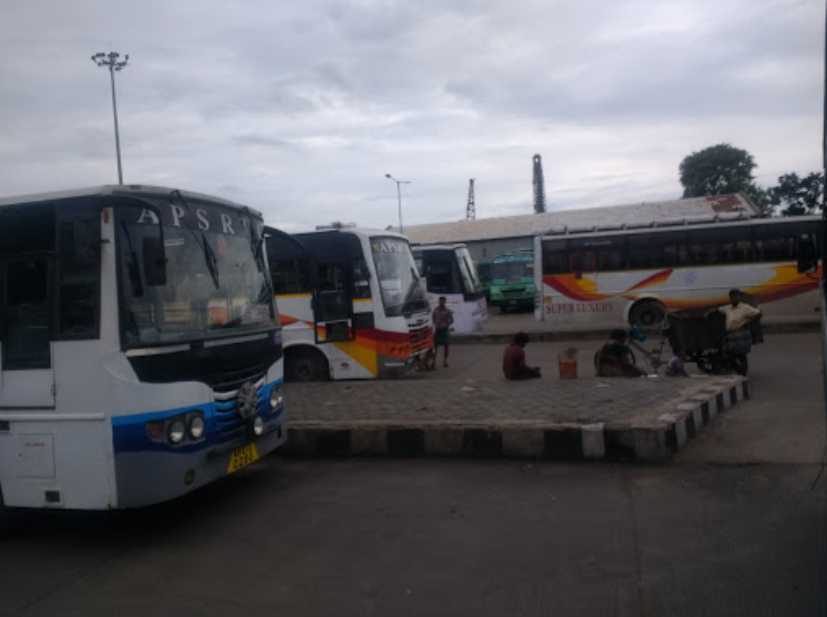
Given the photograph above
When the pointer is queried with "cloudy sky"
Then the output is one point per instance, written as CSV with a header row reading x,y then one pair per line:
x,y
300,108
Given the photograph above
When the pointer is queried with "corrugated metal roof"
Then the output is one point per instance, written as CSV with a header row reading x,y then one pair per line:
x,y
647,213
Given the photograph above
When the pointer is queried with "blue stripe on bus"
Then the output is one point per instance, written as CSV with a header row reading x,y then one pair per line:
x,y
129,431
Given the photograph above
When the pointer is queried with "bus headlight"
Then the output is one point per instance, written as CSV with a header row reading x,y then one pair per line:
x,y
196,427
276,398
176,431
258,426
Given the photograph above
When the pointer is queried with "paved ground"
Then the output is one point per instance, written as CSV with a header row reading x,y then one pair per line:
x,y
494,402
734,528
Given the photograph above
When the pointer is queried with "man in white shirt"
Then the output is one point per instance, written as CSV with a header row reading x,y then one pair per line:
x,y
738,314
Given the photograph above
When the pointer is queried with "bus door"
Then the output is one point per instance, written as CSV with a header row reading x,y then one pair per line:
x,y
333,303
26,371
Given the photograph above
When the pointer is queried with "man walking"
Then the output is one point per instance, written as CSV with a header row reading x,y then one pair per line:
x,y
443,318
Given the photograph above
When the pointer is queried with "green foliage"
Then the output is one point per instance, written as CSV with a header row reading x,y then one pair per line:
x,y
760,197
717,170
796,196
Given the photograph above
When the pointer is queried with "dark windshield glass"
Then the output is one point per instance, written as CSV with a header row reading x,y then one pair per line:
x,y
200,299
399,281
512,271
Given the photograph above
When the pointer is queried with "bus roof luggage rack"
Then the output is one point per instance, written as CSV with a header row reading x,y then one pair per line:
x,y
670,222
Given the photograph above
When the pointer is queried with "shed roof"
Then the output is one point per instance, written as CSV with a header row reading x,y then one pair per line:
x,y
533,224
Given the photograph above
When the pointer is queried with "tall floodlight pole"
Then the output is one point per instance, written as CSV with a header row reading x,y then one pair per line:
x,y
399,184
111,62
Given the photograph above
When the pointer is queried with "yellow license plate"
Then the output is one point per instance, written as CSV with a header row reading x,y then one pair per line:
x,y
243,456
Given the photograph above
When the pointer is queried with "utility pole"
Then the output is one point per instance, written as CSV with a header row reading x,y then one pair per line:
x,y
539,185
399,183
471,207
111,62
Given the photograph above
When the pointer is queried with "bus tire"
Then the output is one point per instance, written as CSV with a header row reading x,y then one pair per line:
x,y
647,314
305,364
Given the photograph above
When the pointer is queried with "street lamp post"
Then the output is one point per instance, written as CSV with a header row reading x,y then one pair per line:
x,y
111,62
399,184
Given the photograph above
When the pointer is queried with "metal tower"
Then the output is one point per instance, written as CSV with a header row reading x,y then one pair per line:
x,y
471,208
539,185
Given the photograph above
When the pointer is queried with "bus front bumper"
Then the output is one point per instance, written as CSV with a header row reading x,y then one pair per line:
x,y
153,476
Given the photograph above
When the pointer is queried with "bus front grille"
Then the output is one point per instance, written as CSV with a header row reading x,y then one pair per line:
x,y
229,381
228,422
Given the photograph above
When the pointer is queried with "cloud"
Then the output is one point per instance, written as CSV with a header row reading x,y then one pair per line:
x,y
299,109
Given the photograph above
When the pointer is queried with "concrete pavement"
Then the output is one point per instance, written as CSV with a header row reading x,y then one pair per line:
x,y
734,528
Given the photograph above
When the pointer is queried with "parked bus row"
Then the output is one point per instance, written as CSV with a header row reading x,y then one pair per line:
x,y
142,352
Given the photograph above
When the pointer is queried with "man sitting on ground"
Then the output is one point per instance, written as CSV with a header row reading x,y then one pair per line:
x,y
514,366
615,358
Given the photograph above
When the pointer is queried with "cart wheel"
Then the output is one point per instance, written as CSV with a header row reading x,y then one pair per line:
x,y
429,362
740,364
704,365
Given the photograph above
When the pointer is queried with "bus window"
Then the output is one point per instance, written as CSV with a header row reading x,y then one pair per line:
x,y
582,260
774,243
643,252
440,276
703,249
610,255
334,299
27,334
289,276
78,273
361,278
555,259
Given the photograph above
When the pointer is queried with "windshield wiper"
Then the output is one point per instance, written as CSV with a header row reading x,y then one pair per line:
x,y
209,254
210,258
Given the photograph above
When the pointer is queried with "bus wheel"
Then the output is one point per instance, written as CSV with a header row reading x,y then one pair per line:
x,y
647,314
305,365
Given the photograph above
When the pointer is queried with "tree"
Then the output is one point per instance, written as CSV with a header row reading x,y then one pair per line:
x,y
761,198
798,195
716,170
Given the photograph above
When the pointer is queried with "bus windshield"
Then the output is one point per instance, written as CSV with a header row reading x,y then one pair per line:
x,y
512,271
398,277
216,281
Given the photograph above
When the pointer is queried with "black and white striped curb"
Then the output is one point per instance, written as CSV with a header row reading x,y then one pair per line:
x,y
648,441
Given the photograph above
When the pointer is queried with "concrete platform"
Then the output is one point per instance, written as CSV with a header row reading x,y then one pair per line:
x,y
584,419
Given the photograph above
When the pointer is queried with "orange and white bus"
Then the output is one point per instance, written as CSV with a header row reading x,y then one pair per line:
x,y
610,277
351,303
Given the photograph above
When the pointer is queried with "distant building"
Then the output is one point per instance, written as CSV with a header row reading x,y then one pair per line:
x,y
489,237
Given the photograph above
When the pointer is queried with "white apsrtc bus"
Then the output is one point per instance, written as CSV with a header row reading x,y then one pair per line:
x,y
138,361
613,277
351,303
449,271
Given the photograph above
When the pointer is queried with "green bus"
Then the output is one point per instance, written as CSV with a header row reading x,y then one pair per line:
x,y
512,281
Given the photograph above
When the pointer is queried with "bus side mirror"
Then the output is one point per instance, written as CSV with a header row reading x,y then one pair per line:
x,y
807,257
155,262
